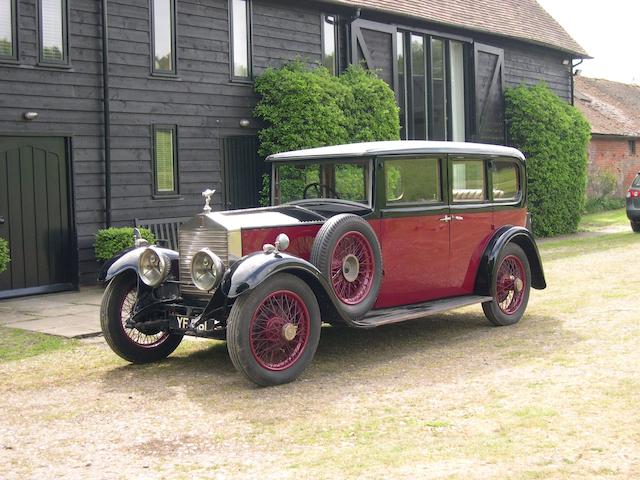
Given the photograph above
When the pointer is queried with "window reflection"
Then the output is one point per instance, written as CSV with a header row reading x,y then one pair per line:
x,y
52,30
240,38
6,28
163,35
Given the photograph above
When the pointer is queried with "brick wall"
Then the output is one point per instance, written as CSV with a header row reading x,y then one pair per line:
x,y
613,154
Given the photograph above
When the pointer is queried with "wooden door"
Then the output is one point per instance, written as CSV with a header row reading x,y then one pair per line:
x,y
243,171
35,215
374,45
489,93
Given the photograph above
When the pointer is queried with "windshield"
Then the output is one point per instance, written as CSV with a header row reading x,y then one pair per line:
x,y
340,179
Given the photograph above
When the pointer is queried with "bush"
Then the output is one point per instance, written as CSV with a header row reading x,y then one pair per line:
x,y
4,255
302,108
594,205
554,136
371,109
306,108
111,241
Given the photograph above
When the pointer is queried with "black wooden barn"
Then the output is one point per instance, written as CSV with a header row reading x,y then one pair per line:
x,y
101,126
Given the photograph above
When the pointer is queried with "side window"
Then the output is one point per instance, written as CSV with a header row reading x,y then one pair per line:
x,y
165,162
53,31
240,51
329,43
506,184
468,181
163,26
8,30
412,181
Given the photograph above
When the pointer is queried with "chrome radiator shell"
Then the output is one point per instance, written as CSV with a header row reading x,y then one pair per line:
x,y
200,232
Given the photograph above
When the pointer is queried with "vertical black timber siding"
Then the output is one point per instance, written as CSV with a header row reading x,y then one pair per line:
x,y
69,103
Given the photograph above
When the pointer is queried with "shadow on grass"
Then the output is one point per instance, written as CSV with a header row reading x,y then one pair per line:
x,y
459,341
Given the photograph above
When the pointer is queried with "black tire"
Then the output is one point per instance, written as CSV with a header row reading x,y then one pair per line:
x,y
502,316
241,341
113,303
322,253
635,226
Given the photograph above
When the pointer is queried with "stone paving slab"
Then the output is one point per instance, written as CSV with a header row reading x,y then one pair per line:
x,y
66,314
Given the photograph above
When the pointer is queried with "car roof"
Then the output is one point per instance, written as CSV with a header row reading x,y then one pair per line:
x,y
397,147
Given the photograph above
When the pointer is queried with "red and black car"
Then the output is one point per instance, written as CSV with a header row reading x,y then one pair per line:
x,y
361,235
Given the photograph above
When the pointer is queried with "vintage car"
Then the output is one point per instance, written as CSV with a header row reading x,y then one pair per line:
x,y
360,235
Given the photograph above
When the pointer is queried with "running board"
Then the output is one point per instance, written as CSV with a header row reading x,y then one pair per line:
x,y
385,316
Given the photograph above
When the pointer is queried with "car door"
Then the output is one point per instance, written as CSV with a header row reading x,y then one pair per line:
x,y
471,220
414,229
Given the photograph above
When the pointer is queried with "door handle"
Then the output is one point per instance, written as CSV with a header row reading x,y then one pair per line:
x,y
446,218
458,217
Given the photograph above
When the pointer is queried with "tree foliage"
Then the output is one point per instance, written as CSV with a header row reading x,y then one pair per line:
x,y
554,136
111,241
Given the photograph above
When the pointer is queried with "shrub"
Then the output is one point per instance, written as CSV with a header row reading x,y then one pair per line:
x,y
4,255
601,189
554,136
371,109
594,205
305,108
301,107
111,241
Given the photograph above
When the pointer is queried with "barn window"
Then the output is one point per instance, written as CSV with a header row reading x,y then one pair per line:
x,y
330,42
163,34
53,31
240,33
165,162
8,29
432,87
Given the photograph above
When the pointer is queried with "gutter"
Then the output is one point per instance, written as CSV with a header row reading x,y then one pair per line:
x,y
106,115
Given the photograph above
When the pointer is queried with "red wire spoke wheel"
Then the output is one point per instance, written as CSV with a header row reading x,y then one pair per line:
x,y
274,329
347,252
510,287
140,338
510,283
279,330
136,345
352,268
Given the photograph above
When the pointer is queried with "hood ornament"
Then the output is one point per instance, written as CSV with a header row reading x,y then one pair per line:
x,y
207,194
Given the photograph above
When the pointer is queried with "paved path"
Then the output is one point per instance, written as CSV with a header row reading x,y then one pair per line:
x,y
67,314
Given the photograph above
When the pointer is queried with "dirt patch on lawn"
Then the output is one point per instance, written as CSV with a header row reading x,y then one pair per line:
x,y
555,396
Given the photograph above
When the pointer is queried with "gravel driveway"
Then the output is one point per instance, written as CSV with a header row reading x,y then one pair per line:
x,y
555,396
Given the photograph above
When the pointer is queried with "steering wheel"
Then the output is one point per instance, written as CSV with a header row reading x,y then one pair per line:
x,y
318,189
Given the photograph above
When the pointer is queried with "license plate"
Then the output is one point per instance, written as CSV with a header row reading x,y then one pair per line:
x,y
184,322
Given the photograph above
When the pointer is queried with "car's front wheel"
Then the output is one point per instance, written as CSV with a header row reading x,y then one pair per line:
x,y
273,331
132,344
510,287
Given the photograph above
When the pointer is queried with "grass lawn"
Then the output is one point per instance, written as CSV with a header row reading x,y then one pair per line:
x,y
600,220
19,344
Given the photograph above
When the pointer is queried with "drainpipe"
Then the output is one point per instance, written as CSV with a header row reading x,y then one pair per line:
x,y
107,116
574,72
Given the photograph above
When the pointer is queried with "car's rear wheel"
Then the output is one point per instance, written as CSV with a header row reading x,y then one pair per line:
x,y
347,252
132,344
273,331
510,287
635,226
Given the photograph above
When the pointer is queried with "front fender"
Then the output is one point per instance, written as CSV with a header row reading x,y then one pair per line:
x,y
503,236
128,260
252,270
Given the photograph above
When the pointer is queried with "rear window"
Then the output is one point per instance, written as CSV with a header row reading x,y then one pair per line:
x,y
636,182
506,185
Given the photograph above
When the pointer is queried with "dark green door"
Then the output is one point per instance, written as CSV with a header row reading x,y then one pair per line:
x,y
243,170
34,215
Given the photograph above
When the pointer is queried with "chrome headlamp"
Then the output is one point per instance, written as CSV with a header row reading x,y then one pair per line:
x,y
153,267
206,270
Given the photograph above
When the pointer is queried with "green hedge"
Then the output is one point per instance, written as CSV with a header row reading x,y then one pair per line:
x,y
306,107
554,136
111,241
4,255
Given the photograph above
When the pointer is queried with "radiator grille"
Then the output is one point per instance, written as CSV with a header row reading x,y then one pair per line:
x,y
190,241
